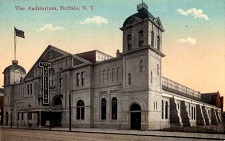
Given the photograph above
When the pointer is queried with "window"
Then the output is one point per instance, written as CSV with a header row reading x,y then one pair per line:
x,y
113,73
151,76
114,108
18,116
103,109
141,66
129,42
166,110
52,77
141,38
129,79
194,114
178,106
191,112
82,78
162,109
157,69
78,79
21,116
28,89
80,109
158,43
117,74
103,76
107,75
29,115
31,89
152,39
61,77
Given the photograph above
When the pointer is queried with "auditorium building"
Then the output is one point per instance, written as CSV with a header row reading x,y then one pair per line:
x,y
96,90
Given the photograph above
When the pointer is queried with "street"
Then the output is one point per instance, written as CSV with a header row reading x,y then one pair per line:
x,y
7,134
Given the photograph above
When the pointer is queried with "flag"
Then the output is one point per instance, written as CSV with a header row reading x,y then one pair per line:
x,y
19,33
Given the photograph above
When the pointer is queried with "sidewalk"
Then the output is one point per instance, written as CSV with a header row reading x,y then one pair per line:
x,y
135,132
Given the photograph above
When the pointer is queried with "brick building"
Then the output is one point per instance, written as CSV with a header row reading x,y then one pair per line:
x,y
122,92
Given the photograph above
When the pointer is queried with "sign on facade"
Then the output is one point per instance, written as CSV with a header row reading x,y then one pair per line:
x,y
45,80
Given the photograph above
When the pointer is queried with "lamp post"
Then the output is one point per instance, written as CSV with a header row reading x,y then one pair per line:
x,y
11,118
50,118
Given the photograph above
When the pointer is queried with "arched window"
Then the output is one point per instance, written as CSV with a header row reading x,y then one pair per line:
x,y
141,66
166,110
52,77
57,101
152,39
129,42
162,109
158,42
114,108
141,38
103,109
129,79
80,109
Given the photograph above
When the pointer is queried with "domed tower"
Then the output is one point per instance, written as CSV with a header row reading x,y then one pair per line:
x,y
13,75
142,53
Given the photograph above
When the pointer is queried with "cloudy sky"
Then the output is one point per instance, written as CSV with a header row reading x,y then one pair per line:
x,y
193,41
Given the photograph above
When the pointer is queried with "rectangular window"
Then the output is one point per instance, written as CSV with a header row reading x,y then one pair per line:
x,y
28,89
82,78
78,78
18,116
21,116
157,69
31,89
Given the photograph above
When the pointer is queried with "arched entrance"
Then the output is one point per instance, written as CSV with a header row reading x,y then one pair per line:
x,y
56,115
135,117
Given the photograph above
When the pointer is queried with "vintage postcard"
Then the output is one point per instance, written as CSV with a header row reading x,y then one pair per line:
x,y
112,70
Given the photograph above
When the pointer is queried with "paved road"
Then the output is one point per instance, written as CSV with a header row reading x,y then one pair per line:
x,y
7,134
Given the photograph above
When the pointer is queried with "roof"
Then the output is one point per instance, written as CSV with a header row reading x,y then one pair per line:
x,y
13,67
207,97
142,14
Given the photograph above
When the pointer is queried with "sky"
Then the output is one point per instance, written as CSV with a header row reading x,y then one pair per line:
x,y
193,41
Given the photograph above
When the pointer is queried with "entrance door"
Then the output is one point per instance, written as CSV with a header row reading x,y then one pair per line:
x,y
135,114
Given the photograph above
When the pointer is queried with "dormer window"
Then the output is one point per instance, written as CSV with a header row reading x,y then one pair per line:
x,y
141,38
158,42
129,42
152,39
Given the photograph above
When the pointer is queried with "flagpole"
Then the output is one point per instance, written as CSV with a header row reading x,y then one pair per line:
x,y
14,44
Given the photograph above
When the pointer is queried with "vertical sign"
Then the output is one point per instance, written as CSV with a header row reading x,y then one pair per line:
x,y
45,80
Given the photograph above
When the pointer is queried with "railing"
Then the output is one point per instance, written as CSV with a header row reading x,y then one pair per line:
x,y
169,85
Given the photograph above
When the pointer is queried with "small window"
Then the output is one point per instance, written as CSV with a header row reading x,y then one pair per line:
x,y
166,110
141,66
78,78
82,78
151,76
129,42
18,116
61,78
21,116
129,79
141,38
157,69
103,109
152,38
28,89
31,89
103,76
158,43
113,74
117,74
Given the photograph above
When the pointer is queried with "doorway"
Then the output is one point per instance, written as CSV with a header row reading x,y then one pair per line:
x,y
135,117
